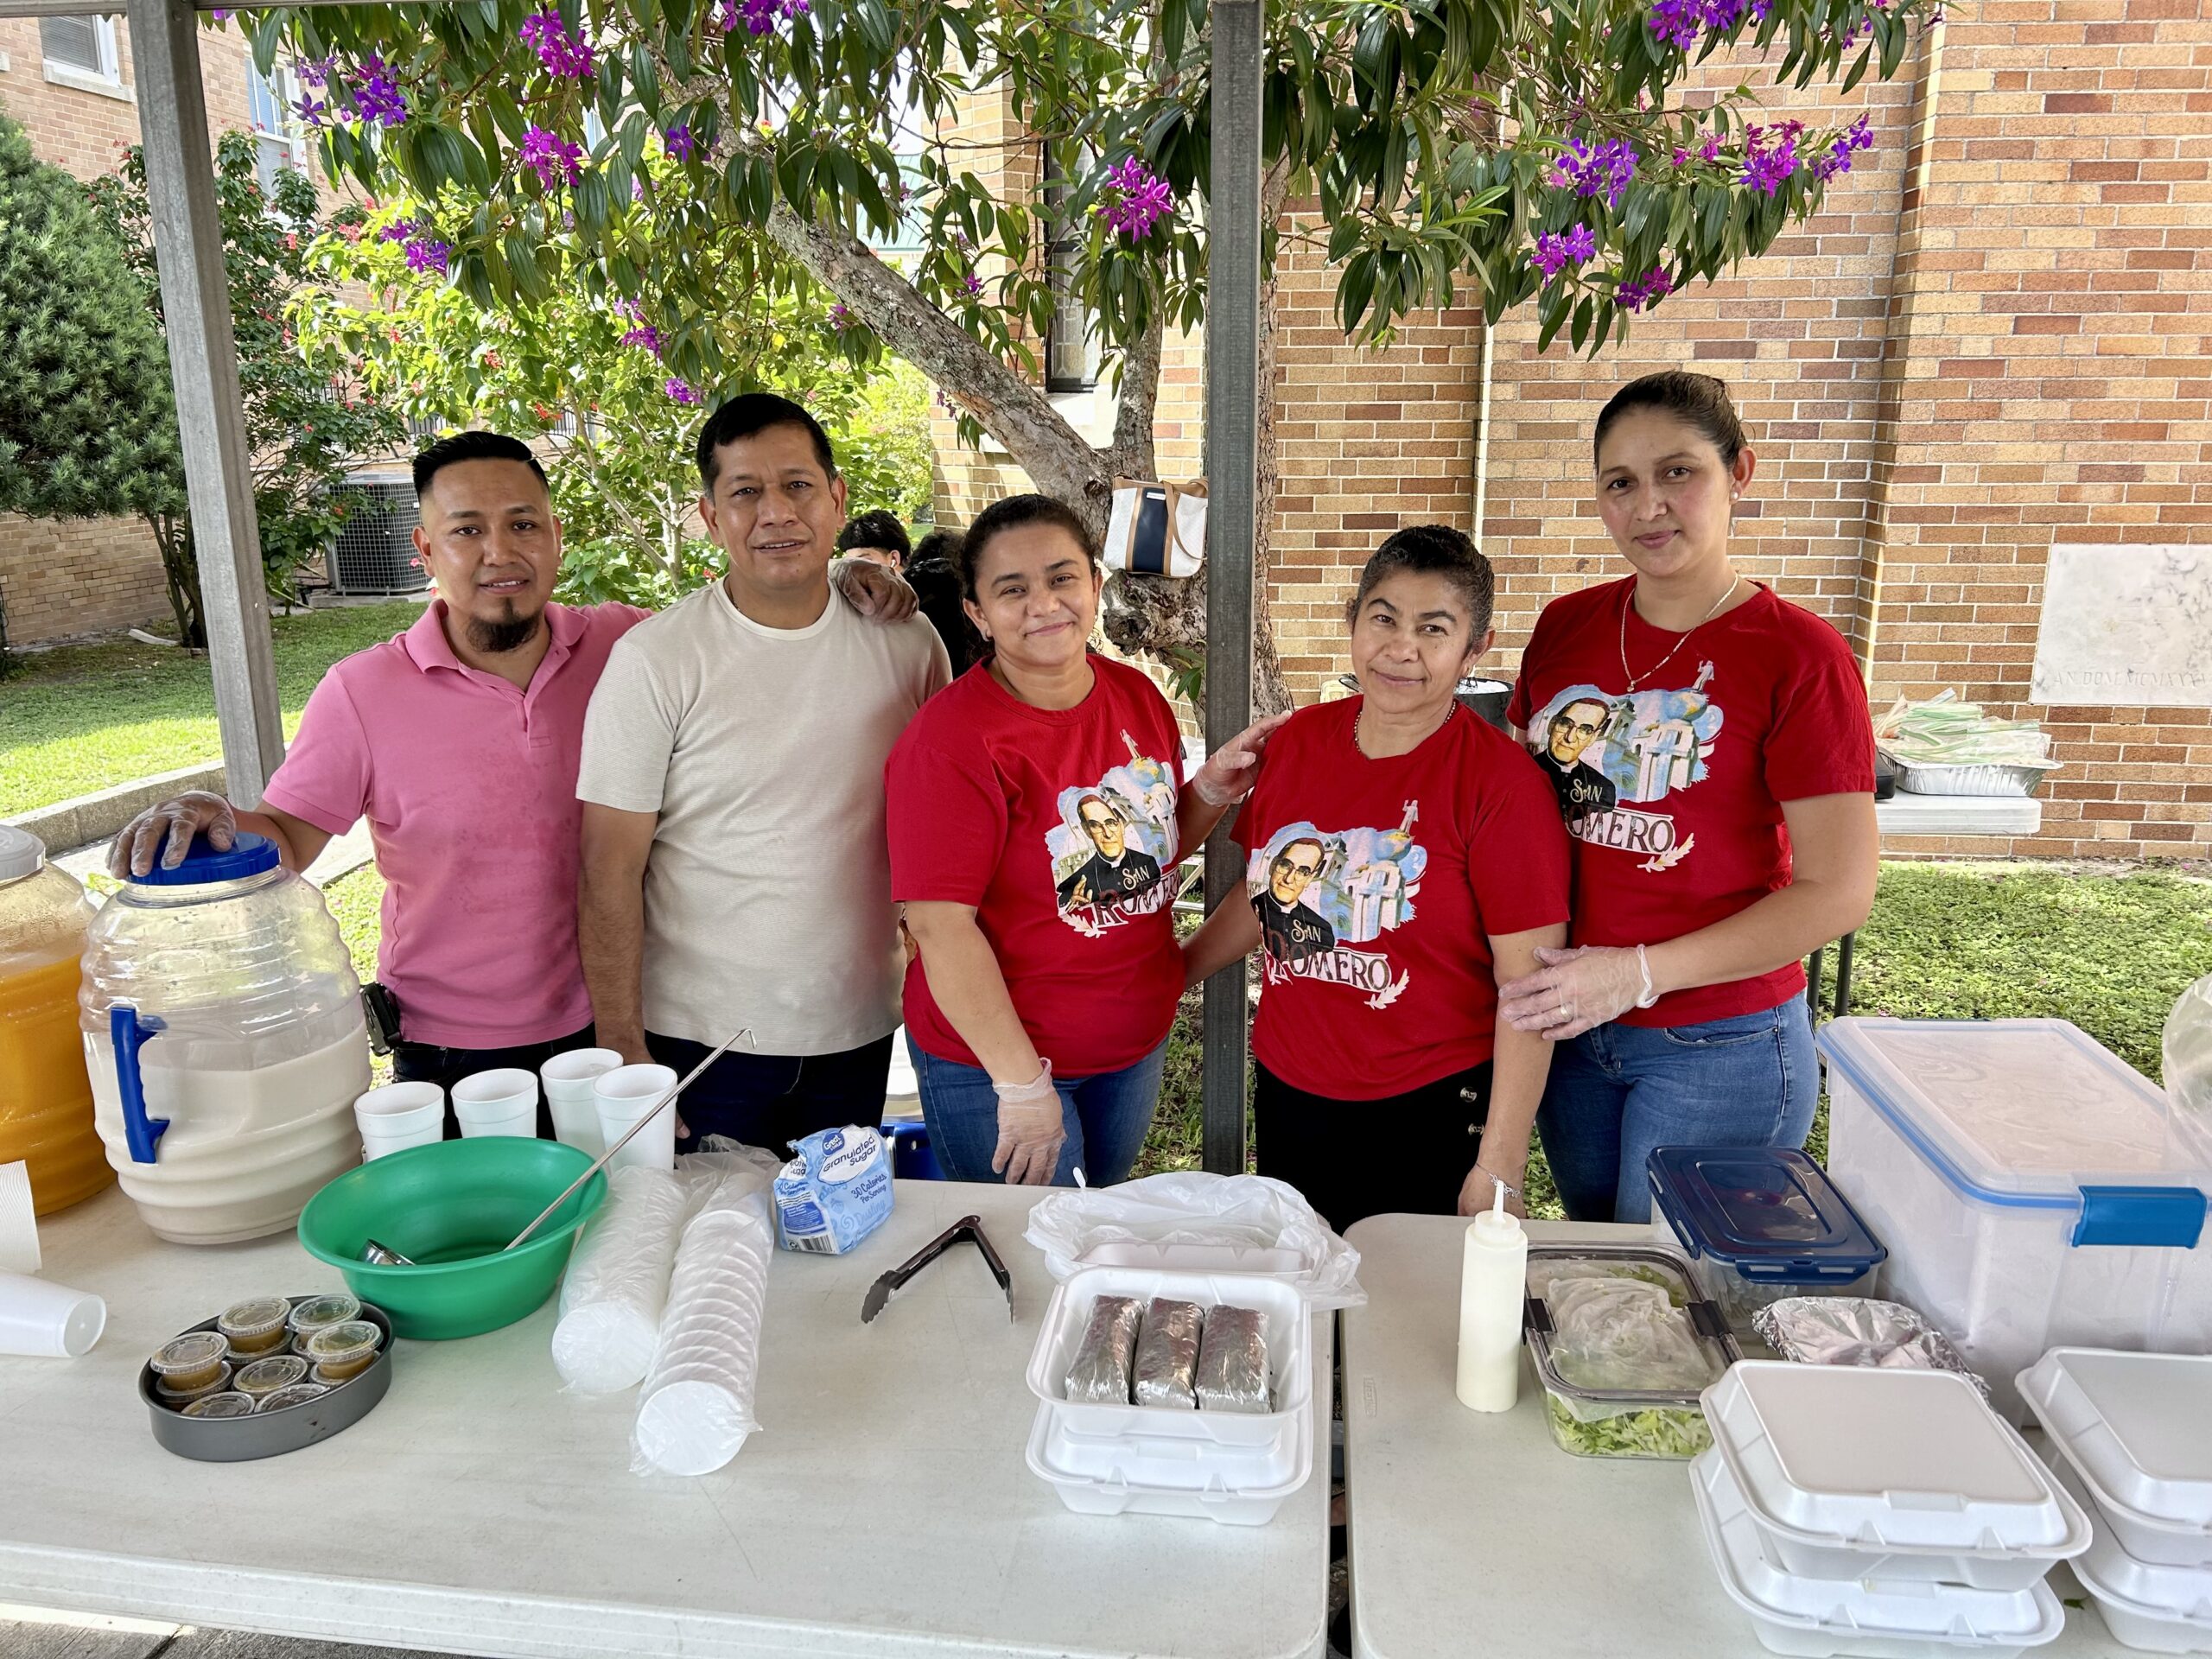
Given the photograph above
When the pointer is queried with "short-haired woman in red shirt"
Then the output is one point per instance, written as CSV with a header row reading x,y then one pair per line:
x,y
1036,819
1403,855
1712,755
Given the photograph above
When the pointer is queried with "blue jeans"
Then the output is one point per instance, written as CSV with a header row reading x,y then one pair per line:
x,y
1106,1115
1617,1091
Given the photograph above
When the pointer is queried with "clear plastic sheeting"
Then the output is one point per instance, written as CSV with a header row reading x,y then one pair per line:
x,y
617,1284
2187,1054
1234,1213
1624,1333
1858,1331
696,1409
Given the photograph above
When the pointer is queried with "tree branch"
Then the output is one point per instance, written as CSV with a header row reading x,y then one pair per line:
x,y
1131,455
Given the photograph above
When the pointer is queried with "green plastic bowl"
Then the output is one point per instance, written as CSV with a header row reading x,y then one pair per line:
x,y
452,1207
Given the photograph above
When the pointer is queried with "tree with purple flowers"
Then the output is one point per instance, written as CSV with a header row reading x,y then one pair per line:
x,y
1572,155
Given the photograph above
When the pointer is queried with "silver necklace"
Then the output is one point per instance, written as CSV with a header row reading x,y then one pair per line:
x,y
1629,599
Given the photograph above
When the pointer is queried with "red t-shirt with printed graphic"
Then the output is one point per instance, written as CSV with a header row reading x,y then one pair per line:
x,y
1059,825
1378,885
1673,794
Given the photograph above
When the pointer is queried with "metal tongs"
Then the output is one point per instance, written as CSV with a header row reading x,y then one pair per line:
x,y
966,1227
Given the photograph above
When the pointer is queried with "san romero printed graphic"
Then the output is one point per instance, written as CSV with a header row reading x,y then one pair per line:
x,y
1321,894
1113,852
1614,762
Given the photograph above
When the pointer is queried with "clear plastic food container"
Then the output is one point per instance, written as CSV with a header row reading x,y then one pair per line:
x,y
1760,1223
1623,1345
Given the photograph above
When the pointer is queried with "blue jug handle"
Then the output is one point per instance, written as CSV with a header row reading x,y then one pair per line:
x,y
130,1031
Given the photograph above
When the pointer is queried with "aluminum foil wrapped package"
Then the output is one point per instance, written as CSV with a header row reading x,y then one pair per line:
x,y
696,1409
1858,1331
1232,1372
617,1281
1167,1354
1099,1375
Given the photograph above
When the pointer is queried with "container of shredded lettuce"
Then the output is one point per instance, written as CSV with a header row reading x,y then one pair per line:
x,y
1623,1345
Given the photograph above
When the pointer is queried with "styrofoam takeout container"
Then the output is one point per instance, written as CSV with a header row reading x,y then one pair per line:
x,y
1168,1463
1290,1354
2137,1428
1217,1499
1816,1618
2156,1609
1870,1474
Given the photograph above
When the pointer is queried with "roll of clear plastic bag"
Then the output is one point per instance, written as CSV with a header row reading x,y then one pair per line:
x,y
617,1283
696,1409
2187,1051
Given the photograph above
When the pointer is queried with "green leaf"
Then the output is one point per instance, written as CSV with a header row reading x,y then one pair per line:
x,y
1581,330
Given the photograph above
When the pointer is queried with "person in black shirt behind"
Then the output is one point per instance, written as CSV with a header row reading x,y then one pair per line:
x,y
1583,790
877,536
1116,870
1289,930
930,573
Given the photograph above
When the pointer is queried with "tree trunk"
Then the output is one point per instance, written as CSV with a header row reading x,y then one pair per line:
x,y
180,570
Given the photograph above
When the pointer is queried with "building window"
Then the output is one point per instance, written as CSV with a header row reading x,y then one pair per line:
x,y
1071,355
81,52
278,134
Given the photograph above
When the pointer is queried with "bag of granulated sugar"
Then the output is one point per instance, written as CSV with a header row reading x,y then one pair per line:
x,y
835,1194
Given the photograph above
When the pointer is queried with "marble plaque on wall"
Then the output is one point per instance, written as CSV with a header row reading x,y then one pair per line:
x,y
2126,625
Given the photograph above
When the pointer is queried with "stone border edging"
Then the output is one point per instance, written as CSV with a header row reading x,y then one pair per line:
x,y
84,819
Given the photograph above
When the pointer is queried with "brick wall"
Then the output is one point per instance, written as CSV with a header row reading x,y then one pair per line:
x,y
61,580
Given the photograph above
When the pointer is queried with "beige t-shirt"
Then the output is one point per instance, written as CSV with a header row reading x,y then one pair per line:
x,y
768,888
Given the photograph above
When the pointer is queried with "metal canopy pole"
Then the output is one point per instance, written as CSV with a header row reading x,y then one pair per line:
x,y
210,410
1232,485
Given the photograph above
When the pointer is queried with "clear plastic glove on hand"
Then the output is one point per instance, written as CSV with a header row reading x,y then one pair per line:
x,y
877,592
168,829
1231,770
1031,1130
1574,991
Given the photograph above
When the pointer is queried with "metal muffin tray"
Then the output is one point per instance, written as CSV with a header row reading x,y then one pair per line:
x,y
271,1433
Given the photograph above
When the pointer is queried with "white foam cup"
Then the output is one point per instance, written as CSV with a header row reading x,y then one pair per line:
x,y
46,1320
501,1102
568,1079
622,1097
399,1115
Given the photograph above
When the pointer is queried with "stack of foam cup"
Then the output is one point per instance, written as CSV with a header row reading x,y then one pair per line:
x,y
567,1080
399,1115
625,1095
499,1102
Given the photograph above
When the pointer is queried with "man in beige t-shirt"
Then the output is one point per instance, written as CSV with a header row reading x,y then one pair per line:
x,y
736,871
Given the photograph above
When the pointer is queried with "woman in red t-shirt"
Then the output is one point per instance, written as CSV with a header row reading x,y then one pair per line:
x,y
1035,825
1401,854
1711,753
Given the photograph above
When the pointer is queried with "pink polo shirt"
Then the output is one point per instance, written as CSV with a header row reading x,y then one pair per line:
x,y
469,786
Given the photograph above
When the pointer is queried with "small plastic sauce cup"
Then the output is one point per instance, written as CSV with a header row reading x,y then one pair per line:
x,y
255,1326
180,1397
297,1393
312,1314
341,1352
192,1362
227,1404
267,1375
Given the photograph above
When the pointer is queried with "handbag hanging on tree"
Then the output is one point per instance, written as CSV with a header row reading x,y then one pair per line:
x,y
1157,530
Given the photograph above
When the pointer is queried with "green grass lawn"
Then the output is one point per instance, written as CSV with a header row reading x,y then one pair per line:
x,y
88,717
1947,942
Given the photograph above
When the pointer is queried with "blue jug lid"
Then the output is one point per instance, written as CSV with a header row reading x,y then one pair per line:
x,y
1768,1211
249,855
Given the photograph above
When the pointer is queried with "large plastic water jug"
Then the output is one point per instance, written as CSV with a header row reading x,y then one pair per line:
x,y
45,1101
223,1026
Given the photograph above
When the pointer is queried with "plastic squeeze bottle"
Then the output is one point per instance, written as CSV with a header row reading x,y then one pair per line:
x,y
1493,1281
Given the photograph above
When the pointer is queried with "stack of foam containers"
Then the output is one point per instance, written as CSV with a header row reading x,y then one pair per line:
x,y
1237,1468
1883,1513
2131,1439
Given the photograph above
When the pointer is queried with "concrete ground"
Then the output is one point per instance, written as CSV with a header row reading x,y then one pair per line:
x,y
33,1633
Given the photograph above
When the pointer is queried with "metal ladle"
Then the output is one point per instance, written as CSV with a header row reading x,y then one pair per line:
x,y
383,1255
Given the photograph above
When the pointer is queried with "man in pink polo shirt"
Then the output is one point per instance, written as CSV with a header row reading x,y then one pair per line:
x,y
458,740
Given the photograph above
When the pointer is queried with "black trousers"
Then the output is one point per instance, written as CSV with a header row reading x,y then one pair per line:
x,y
771,1100
425,1062
1353,1159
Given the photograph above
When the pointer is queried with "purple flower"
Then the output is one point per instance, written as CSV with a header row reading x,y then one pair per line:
x,y
220,16
1555,253
1680,156
566,56
971,285
1679,22
310,109
758,17
1836,158
1710,150
681,390
677,141
641,334
1140,199
313,72
841,316
1645,291
377,97
1607,169
555,159
1769,156
424,253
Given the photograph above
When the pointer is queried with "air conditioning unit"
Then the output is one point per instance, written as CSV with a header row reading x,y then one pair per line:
x,y
375,550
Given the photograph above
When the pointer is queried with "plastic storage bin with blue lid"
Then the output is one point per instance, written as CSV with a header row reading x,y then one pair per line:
x,y
1761,1222
2033,1189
